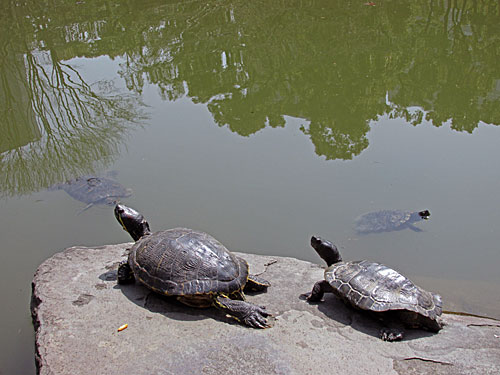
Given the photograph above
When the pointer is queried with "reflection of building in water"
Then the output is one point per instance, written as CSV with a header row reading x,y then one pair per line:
x,y
18,126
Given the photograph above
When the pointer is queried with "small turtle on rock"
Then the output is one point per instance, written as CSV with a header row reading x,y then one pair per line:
x,y
192,266
389,220
376,288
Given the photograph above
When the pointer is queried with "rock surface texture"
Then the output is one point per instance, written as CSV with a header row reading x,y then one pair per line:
x,y
78,307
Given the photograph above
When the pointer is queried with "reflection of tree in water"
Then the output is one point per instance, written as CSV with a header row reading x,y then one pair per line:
x,y
334,142
243,115
453,74
61,127
331,63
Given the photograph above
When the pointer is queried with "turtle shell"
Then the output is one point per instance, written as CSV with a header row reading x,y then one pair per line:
x,y
382,221
183,262
375,287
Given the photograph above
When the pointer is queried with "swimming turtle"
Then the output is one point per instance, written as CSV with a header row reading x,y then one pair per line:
x,y
389,220
94,190
190,265
376,288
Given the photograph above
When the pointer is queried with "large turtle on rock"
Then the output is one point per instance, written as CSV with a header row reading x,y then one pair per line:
x,y
389,220
376,288
190,265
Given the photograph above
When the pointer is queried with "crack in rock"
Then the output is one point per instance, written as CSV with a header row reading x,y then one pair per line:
x,y
427,360
266,266
270,262
483,325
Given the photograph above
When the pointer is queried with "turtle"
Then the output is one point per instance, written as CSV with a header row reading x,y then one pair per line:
x,y
191,266
378,289
94,190
389,220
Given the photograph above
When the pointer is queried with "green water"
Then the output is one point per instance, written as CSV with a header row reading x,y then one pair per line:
x,y
260,122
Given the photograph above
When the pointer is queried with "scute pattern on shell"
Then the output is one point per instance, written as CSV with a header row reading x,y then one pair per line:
x,y
375,287
182,262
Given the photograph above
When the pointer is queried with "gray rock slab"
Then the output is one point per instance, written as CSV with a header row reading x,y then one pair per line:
x,y
77,308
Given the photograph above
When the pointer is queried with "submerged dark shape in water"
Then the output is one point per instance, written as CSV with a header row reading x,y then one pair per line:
x,y
389,220
378,289
94,190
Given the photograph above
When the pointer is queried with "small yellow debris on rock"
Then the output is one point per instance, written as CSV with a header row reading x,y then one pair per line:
x,y
121,328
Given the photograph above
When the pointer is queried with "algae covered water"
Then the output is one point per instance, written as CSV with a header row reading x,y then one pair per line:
x,y
261,123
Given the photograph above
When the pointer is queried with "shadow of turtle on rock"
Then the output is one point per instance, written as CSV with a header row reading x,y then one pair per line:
x,y
159,304
168,306
361,321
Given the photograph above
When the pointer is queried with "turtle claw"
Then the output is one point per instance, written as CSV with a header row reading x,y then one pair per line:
x,y
257,318
318,291
251,315
257,322
310,298
306,296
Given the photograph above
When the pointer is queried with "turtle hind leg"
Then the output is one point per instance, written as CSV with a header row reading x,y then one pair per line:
x,y
124,273
394,323
392,333
413,228
256,284
85,208
244,312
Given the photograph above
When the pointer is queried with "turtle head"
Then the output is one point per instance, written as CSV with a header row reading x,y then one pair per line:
x,y
419,215
424,214
132,221
326,250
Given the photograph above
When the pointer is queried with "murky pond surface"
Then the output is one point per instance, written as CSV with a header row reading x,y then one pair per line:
x,y
261,123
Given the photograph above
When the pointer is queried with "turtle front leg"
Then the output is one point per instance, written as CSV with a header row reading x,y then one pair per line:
x,y
256,284
319,289
124,273
251,315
